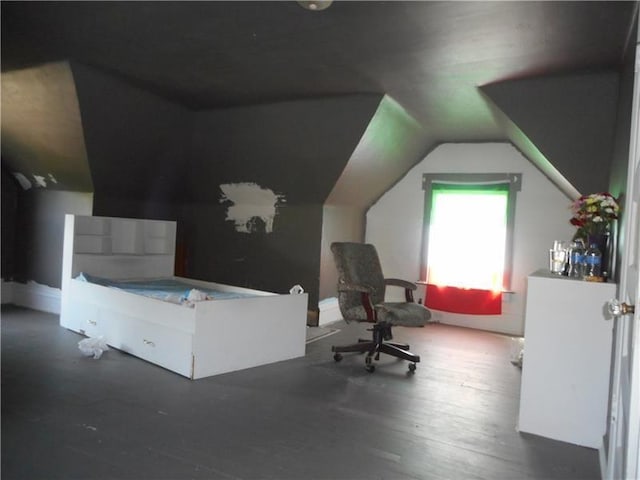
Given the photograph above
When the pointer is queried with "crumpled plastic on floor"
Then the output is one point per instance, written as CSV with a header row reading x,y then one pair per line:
x,y
517,351
93,347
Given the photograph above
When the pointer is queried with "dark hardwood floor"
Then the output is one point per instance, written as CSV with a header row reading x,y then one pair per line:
x,y
65,416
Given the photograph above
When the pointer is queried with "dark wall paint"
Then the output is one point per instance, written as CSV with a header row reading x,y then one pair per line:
x,y
295,149
138,147
620,163
40,232
570,119
150,158
9,222
137,143
117,206
268,261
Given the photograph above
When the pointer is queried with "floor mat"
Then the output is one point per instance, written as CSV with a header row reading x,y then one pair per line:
x,y
316,333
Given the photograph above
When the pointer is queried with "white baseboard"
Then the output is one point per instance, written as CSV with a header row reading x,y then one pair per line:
x,y
329,311
32,295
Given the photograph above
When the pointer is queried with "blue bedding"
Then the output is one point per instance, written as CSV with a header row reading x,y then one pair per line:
x,y
167,289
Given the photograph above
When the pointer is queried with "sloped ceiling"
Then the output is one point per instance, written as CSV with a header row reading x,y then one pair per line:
x,y
428,57
137,142
42,134
391,144
569,118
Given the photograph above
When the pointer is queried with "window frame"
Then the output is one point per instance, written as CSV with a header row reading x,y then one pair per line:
x,y
514,180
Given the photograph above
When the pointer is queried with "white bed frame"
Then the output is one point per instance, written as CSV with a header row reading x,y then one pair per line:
x,y
216,336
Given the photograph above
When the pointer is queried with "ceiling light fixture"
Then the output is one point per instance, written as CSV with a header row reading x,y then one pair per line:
x,y
316,5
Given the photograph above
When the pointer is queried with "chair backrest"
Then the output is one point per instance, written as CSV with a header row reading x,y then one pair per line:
x,y
357,264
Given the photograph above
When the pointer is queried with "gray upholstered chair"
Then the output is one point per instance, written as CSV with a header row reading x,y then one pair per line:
x,y
361,297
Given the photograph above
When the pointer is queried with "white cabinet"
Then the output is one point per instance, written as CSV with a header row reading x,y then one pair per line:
x,y
567,355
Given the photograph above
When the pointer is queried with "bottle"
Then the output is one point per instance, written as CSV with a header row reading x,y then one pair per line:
x,y
592,261
576,259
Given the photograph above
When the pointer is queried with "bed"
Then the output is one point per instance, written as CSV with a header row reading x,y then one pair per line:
x,y
198,329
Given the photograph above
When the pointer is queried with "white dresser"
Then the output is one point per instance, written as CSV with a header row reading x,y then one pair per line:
x,y
567,355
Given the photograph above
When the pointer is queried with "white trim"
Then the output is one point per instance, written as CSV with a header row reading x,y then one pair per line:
x,y
36,296
329,311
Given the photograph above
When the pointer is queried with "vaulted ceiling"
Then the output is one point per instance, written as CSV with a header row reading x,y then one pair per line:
x,y
430,58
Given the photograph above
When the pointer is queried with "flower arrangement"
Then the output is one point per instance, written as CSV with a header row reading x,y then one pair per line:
x,y
593,213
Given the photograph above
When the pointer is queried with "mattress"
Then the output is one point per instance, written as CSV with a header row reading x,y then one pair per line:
x,y
165,289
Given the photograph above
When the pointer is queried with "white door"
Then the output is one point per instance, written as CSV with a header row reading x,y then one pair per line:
x,y
623,431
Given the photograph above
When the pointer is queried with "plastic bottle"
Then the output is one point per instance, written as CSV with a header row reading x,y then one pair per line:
x,y
592,261
576,259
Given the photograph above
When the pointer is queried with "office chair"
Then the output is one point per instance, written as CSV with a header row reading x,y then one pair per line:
x,y
361,294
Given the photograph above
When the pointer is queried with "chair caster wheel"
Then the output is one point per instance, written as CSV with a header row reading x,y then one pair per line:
x,y
369,366
337,357
412,367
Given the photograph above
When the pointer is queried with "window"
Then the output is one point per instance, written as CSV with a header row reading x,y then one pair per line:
x,y
468,231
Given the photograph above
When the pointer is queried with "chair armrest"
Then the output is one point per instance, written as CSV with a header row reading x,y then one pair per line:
x,y
409,287
396,282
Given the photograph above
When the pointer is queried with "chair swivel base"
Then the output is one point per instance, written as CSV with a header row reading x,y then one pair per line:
x,y
373,349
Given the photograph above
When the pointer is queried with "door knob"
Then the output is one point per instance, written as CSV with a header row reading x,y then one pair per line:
x,y
617,308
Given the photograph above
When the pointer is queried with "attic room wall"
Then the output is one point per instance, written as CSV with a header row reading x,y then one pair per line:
x,y
392,144
42,134
8,228
137,146
569,118
542,215
43,147
288,155
151,158
620,163
340,223
40,232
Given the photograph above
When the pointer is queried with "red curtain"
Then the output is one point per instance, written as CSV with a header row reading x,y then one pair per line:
x,y
463,300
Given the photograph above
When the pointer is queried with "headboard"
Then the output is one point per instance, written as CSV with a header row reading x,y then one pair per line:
x,y
118,248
